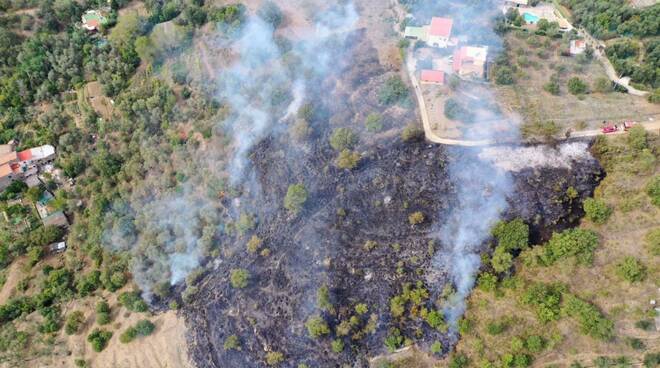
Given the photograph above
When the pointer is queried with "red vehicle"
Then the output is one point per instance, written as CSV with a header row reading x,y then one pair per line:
x,y
628,124
609,128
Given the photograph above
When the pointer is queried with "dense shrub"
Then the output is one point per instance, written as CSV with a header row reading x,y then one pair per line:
x,y
316,326
132,301
597,210
591,320
416,218
631,270
652,240
73,322
546,300
374,123
653,190
578,243
577,86
347,159
232,343
239,278
411,133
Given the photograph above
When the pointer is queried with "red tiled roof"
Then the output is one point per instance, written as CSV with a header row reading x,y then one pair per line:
x,y
24,155
433,76
441,27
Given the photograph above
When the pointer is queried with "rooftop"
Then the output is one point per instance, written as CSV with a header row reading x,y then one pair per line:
x,y
433,76
441,27
5,170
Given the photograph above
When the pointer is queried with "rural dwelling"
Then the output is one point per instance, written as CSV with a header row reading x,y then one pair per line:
x,y
470,61
92,20
516,3
578,47
433,77
438,34
19,165
56,219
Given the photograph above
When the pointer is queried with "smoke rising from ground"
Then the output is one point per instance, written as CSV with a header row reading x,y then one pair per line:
x,y
268,80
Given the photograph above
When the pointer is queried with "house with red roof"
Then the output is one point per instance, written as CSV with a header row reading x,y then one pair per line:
x,y
19,165
432,77
437,34
440,32
470,61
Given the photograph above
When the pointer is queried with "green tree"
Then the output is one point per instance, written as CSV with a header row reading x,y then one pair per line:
x,y
502,260
239,278
393,91
316,327
578,243
512,235
73,322
99,339
343,139
374,123
638,138
296,196
503,75
232,343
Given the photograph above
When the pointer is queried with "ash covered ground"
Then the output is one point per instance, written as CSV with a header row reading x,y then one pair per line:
x,y
324,245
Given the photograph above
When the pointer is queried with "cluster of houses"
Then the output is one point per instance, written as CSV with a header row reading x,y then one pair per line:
x,y
466,62
25,166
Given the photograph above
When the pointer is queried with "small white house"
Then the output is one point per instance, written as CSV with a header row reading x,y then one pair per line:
x,y
440,32
578,47
57,247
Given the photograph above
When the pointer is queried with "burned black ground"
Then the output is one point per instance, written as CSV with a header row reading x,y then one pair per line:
x,y
324,245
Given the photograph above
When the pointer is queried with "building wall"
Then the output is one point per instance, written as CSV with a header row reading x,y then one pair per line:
x,y
437,41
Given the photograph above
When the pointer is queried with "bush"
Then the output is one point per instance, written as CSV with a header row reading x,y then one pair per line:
x,y
132,301
99,339
416,218
503,75
638,138
394,340
546,299
535,343
652,360
316,327
603,85
253,244
342,139
597,210
232,343
323,298
578,243
393,91
631,270
374,123
436,320
337,346
652,240
274,358
271,14
296,196
128,335
552,87
654,96
645,324
73,322
436,347
502,260
591,320
496,328
347,159
459,360
411,133
577,86
144,327
239,278
487,282
653,190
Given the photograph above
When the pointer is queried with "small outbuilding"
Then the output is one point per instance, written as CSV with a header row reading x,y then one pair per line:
x,y
578,47
433,77
58,247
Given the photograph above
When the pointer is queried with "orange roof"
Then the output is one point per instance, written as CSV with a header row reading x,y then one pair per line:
x,y
441,27
433,76
5,170
8,157
24,155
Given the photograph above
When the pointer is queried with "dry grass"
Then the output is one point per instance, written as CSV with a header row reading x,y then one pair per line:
x,y
529,98
622,302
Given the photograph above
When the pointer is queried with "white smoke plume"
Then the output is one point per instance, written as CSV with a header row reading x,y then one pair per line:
x,y
169,233
519,158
